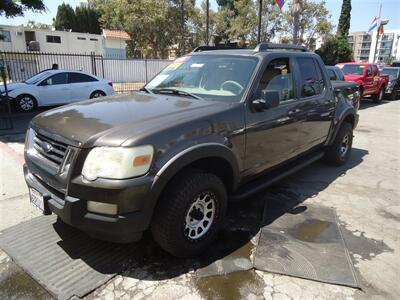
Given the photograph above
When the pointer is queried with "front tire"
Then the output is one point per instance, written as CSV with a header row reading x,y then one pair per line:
x,y
25,103
190,214
338,153
379,97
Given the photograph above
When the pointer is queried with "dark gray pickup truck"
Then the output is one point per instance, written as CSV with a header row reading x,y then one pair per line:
x,y
214,126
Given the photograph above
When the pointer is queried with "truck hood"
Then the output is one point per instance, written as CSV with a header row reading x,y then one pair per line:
x,y
112,120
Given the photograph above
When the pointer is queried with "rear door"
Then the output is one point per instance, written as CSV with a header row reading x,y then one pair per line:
x,y
316,104
82,85
54,90
272,134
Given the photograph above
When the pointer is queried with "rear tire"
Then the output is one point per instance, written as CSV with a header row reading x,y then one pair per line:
x,y
97,94
379,97
190,214
25,103
338,153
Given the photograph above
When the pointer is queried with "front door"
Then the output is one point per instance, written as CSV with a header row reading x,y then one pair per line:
x,y
369,80
272,134
54,90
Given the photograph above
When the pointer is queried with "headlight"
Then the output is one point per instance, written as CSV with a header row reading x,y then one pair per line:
x,y
117,162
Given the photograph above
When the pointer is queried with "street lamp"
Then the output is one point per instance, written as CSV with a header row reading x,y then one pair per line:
x,y
381,23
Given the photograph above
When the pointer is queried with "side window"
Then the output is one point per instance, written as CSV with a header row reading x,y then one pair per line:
x,y
59,78
340,75
79,77
369,71
311,77
332,75
278,77
374,70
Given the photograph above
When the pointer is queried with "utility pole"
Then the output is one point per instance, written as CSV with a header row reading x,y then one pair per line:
x,y
182,28
259,22
377,34
207,22
296,19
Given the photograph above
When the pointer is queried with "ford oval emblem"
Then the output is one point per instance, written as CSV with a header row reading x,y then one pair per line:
x,y
47,147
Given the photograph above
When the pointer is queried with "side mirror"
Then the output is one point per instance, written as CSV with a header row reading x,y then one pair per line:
x,y
268,99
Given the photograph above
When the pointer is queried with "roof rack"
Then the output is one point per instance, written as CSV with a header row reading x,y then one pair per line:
x,y
268,46
222,47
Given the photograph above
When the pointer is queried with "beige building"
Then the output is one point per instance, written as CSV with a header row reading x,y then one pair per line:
x,y
20,39
363,45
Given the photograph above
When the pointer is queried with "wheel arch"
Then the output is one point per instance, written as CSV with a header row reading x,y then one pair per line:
x,y
211,157
348,116
27,94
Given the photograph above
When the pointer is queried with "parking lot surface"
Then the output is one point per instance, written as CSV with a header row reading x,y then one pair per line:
x,y
365,194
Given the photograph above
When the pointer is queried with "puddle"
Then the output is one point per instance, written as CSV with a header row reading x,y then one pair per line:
x,y
233,286
16,284
312,230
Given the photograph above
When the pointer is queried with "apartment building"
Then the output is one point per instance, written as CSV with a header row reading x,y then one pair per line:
x,y
20,39
363,45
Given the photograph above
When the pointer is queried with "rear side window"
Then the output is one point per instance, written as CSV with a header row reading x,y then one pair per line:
x,y
79,77
312,82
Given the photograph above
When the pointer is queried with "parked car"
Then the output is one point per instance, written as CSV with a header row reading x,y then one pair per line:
x,y
335,73
368,78
395,63
350,88
56,87
212,127
393,88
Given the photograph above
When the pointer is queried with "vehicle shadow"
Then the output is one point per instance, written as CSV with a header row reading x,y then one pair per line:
x,y
147,261
369,103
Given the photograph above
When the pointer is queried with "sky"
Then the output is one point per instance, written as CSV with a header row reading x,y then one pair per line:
x,y
362,13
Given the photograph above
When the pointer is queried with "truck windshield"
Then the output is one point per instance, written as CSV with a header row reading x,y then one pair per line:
x,y
353,69
211,77
391,72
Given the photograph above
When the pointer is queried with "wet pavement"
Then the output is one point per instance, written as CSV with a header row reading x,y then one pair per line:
x,y
364,193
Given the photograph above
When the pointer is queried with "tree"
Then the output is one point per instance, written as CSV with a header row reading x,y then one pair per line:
x,y
87,19
199,22
65,18
271,22
344,20
11,9
244,24
335,50
33,24
314,21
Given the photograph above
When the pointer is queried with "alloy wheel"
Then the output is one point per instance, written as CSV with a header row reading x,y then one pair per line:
x,y
200,216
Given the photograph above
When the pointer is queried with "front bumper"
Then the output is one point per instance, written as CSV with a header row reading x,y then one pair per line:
x,y
125,227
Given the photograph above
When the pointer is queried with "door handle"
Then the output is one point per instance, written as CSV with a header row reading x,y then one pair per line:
x,y
293,112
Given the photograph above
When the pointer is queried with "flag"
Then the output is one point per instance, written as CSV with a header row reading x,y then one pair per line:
x,y
381,30
280,4
374,24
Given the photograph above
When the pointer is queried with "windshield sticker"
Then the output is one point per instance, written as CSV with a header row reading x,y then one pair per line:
x,y
173,66
196,65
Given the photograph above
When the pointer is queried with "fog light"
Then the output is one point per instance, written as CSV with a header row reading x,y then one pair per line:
x,y
102,208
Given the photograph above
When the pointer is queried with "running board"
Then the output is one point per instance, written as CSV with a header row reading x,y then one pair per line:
x,y
272,177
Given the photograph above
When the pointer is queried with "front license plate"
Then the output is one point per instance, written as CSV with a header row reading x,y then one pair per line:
x,y
37,199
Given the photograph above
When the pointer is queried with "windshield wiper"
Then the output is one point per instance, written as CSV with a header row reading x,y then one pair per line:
x,y
176,92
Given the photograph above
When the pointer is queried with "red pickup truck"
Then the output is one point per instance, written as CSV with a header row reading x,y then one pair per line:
x,y
368,78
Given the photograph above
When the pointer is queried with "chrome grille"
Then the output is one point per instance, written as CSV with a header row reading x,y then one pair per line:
x,y
50,149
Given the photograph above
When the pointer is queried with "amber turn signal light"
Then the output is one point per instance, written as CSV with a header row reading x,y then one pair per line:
x,y
141,160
